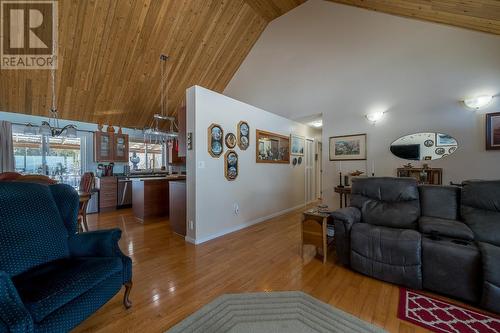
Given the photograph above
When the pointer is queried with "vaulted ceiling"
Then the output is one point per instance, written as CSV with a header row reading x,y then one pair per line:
x,y
109,68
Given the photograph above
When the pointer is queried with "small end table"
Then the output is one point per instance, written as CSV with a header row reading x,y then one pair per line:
x,y
344,192
314,231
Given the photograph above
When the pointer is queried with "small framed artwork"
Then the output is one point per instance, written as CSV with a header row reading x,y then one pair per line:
x,y
243,132
215,140
231,165
445,140
347,147
230,140
298,142
493,131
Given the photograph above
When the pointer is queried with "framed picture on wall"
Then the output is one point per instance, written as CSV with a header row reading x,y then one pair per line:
x,y
493,131
298,142
272,147
347,147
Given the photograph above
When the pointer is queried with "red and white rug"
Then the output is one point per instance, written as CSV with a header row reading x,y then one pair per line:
x,y
443,317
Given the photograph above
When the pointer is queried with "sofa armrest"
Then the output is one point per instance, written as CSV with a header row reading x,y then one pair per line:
x,y
100,243
343,220
348,216
13,313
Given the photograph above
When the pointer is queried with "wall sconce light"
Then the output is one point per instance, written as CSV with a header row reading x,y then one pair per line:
x,y
375,116
478,102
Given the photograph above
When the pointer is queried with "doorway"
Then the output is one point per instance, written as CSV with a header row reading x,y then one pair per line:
x,y
309,160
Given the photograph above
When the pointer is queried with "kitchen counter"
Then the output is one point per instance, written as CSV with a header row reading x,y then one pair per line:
x,y
150,196
169,177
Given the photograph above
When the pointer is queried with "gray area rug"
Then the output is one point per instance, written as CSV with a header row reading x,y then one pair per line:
x,y
273,312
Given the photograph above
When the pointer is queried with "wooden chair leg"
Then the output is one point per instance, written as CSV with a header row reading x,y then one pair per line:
x,y
85,225
126,301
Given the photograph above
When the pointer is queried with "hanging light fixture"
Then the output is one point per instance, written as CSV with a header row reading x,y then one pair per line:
x,y
153,131
51,126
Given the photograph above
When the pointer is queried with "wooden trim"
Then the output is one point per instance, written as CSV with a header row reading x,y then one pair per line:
x,y
209,138
347,159
235,140
488,132
226,165
261,132
238,133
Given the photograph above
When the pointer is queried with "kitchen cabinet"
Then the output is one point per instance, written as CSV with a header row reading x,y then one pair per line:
x,y
177,193
108,187
103,147
110,147
173,150
120,148
181,121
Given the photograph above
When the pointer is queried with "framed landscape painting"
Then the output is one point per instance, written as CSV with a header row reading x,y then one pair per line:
x,y
348,147
493,131
298,143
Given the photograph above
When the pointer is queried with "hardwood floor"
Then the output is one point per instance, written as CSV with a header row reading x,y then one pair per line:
x,y
173,278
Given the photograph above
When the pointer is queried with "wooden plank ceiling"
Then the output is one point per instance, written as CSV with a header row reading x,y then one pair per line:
x,y
481,15
109,69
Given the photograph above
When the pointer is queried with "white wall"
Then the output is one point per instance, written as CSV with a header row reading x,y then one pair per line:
x,y
344,61
261,190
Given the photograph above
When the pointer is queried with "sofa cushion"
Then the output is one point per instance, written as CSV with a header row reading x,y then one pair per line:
x,y
386,201
445,227
480,209
440,201
31,229
46,288
388,254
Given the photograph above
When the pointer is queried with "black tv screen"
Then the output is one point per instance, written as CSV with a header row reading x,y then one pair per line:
x,y
408,152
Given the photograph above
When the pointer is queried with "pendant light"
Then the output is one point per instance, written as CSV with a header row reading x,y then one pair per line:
x,y
153,131
51,126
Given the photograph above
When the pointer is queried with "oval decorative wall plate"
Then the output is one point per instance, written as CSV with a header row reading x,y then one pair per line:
x,y
429,143
294,161
243,132
215,140
231,165
230,140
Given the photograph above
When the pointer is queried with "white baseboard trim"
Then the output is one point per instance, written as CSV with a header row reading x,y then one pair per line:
x,y
241,226
189,239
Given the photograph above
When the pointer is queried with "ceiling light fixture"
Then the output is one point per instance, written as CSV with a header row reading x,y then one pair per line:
x,y
316,123
478,102
375,116
153,131
51,126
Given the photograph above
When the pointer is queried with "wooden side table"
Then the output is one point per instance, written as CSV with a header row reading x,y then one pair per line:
x,y
314,231
344,192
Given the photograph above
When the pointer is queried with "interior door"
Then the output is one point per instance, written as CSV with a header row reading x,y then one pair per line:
x,y
310,172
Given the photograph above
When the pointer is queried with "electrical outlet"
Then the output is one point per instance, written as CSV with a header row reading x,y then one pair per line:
x,y
191,225
236,209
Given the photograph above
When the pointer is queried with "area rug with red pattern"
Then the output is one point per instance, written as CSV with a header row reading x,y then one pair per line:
x,y
443,317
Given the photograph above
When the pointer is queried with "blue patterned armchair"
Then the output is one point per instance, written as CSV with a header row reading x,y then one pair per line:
x,y
52,278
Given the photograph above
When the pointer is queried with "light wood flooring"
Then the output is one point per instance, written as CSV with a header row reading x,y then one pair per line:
x,y
173,278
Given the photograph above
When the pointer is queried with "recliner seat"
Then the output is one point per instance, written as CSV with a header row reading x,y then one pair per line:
x,y
441,238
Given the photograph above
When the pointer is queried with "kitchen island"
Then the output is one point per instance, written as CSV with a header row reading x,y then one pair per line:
x,y
150,196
